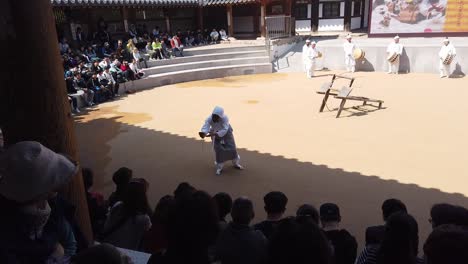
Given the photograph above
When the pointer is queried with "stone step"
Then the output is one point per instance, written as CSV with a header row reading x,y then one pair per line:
x,y
205,57
207,50
204,64
156,80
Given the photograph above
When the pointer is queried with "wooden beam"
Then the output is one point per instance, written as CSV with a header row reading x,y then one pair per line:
x,y
200,17
229,20
34,100
347,15
262,19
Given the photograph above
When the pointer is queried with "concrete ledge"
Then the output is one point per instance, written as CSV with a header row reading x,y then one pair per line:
x,y
195,51
200,74
204,64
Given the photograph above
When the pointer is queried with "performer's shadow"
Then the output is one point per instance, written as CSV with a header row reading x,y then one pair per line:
x,y
405,66
364,65
457,73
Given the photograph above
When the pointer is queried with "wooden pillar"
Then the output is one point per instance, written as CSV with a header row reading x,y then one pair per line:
x,y
33,101
315,15
168,21
288,7
347,15
230,20
256,19
200,17
124,12
262,19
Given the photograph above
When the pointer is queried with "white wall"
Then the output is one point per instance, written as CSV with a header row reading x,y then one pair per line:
x,y
243,24
342,8
303,26
331,24
366,12
355,22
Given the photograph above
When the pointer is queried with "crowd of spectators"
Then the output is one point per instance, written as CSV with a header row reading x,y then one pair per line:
x,y
96,65
191,226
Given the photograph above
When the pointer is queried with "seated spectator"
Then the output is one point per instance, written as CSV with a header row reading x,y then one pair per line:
x,y
156,32
80,37
129,219
128,72
138,58
91,53
105,63
224,203
275,206
199,39
106,50
113,85
30,175
130,46
177,47
80,84
134,66
188,38
155,240
82,53
400,243
96,68
298,241
447,244
214,35
206,35
344,244
308,211
444,214
71,91
157,49
166,48
223,35
121,178
240,243
101,254
106,83
96,206
101,93
193,227
374,234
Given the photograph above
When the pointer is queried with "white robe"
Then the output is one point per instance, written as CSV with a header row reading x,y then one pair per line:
x,y
309,55
446,49
394,48
350,62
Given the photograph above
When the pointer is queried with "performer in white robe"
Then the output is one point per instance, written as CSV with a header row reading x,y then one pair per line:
x,y
394,47
309,54
447,49
218,128
349,47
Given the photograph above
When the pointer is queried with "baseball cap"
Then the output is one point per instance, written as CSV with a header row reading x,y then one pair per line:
x,y
329,212
29,170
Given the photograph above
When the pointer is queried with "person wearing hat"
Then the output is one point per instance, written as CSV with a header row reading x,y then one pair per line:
x,y
394,47
344,244
30,175
218,128
349,48
447,50
309,54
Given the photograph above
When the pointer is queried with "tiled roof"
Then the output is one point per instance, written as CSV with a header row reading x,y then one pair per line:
x,y
124,2
225,2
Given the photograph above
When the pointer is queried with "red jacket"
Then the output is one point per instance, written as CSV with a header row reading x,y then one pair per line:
x,y
173,45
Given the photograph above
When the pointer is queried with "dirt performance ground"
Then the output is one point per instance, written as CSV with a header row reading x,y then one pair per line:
x,y
414,149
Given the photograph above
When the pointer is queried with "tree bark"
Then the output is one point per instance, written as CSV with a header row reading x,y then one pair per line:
x,y
33,99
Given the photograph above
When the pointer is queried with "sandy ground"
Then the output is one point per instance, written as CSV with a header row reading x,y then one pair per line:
x,y
413,149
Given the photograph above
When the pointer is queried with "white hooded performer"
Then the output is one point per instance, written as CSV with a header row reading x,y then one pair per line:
x,y
447,50
218,128
394,47
349,48
309,54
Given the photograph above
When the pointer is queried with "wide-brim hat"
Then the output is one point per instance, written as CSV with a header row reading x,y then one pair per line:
x,y
28,170
307,40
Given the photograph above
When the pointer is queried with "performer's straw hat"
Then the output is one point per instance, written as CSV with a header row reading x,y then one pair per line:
x,y
446,40
313,43
307,40
348,36
396,37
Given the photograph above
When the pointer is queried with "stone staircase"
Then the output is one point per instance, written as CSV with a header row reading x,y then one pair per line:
x,y
206,62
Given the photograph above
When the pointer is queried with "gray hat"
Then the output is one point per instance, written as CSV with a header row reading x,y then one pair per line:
x,y
29,170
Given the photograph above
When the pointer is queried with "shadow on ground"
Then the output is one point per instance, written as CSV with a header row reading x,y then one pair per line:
x,y
165,160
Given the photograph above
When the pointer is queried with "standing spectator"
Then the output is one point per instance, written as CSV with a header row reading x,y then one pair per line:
x,y
80,84
400,243
224,203
129,219
447,244
121,178
374,234
96,207
80,37
30,175
344,244
155,240
214,35
240,243
156,32
193,227
63,45
298,241
275,206
444,214
308,211
177,47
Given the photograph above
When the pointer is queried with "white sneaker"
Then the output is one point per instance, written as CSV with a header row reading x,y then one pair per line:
x,y
218,171
77,110
238,166
389,72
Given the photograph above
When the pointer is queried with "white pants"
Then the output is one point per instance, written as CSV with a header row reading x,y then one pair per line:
x,y
394,67
309,68
444,69
350,63
236,161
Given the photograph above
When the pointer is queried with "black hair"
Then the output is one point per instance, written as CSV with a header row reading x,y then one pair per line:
x,y
183,190
242,211
391,206
135,200
162,210
448,214
122,176
88,178
307,210
275,202
224,204
447,244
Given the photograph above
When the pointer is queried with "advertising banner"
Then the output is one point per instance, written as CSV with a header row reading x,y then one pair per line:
x,y
419,16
